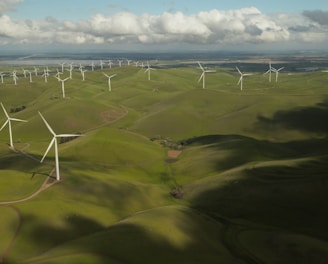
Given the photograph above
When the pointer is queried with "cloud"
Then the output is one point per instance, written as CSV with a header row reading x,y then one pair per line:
x,y
214,27
318,16
7,5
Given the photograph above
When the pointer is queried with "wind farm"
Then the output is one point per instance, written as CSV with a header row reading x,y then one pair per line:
x,y
232,170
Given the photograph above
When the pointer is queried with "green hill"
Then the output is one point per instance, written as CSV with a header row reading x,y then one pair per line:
x,y
251,169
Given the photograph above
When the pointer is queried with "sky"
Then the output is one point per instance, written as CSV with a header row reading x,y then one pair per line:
x,y
148,25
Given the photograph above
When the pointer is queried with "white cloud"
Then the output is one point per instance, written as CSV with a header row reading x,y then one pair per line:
x,y
215,27
7,5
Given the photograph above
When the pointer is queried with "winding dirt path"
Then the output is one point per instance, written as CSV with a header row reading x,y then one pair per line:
x,y
49,181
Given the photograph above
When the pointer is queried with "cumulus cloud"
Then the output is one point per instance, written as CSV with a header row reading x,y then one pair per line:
x,y
7,5
215,27
318,16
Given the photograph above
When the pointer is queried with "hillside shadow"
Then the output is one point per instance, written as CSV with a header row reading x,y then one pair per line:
x,y
119,243
309,119
278,184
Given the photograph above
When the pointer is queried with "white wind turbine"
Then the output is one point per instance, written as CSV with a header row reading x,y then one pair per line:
x,y
62,66
63,84
120,63
70,70
9,119
101,63
36,71
57,75
92,66
271,69
1,76
204,73
128,61
15,78
148,70
277,72
109,82
110,63
24,72
83,74
45,75
242,75
54,141
30,73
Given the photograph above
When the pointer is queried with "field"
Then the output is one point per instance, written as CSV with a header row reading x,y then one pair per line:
x,y
166,171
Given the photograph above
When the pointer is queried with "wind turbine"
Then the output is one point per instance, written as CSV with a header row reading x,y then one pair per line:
x,y
63,84
70,70
9,119
148,70
242,75
45,75
277,72
30,73
128,61
110,63
203,74
15,78
271,69
92,66
83,74
36,71
109,83
101,63
1,76
62,66
24,72
120,63
54,141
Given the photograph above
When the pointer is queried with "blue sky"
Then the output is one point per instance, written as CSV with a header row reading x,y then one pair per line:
x,y
180,24
74,10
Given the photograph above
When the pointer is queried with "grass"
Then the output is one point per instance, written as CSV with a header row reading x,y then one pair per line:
x,y
252,167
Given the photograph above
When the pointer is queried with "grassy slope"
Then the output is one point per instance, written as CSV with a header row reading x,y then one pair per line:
x,y
115,171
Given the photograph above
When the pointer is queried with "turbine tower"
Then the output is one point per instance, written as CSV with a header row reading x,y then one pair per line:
x,y
9,119
242,75
203,74
54,141
109,82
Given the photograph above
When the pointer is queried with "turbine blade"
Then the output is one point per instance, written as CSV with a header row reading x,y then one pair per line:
x,y
200,66
240,79
106,75
16,119
69,135
112,75
50,145
4,110
267,71
48,126
4,124
238,70
201,77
